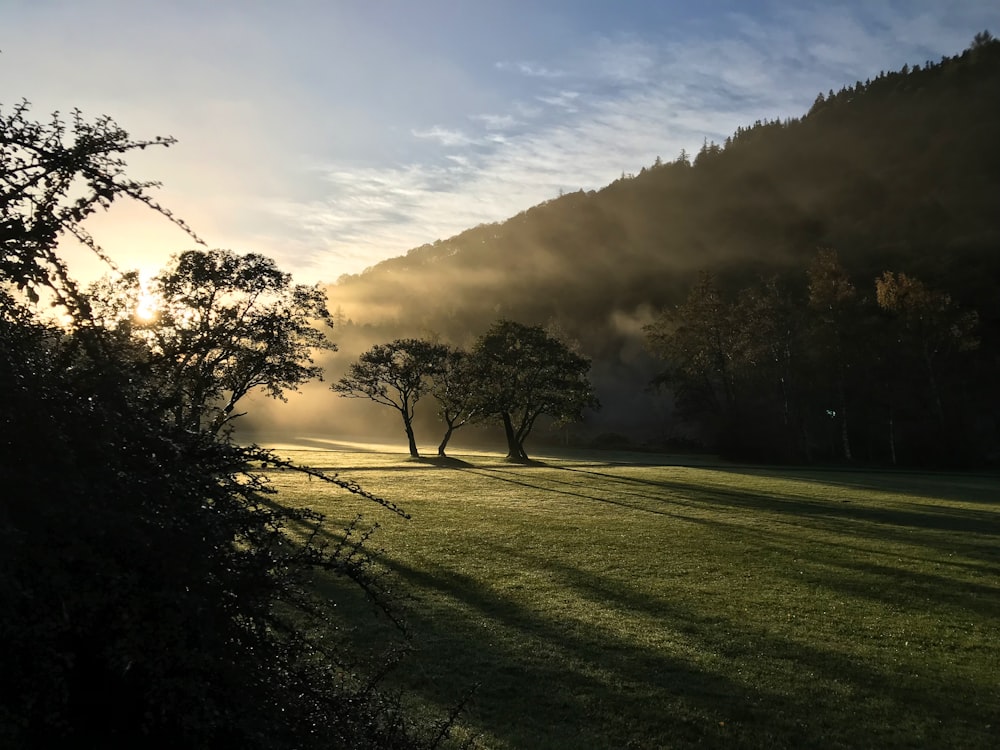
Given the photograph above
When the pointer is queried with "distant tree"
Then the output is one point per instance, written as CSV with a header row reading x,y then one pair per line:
x,y
834,305
339,318
734,365
981,39
817,103
708,152
453,385
929,327
522,373
768,364
224,325
396,374
697,341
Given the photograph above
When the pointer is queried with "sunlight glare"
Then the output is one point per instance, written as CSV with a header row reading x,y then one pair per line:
x,y
146,305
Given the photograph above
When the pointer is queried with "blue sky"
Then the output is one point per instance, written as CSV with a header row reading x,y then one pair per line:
x,y
333,134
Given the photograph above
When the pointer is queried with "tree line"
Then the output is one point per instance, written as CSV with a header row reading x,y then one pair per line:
x,y
812,367
513,373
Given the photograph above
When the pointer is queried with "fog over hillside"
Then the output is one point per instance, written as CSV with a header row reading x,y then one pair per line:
x,y
900,172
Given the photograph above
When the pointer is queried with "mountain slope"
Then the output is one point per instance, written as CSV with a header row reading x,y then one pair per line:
x,y
897,173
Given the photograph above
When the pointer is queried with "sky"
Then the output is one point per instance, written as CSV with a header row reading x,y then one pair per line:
x,y
332,134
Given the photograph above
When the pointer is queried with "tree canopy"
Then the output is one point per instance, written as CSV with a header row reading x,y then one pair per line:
x,y
522,372
397,375
225,324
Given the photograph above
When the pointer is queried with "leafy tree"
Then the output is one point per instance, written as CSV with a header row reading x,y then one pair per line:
x,y
698,341
453,385
151,592
226,324
731,365
396,374
929,327
835,309
769,364
522,373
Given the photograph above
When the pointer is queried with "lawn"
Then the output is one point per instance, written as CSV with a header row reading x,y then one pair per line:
x,y
627,601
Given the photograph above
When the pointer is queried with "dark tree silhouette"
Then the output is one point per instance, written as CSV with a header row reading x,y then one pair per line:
x,y
697,341
928,328
833,302
396,374
226,324
454,387
523,373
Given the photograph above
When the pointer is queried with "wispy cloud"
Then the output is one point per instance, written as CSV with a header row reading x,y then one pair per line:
x,y
530,69
334,144
444,136
566,100
496,122
630,100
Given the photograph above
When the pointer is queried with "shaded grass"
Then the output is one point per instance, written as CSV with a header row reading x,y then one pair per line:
x,y
630,604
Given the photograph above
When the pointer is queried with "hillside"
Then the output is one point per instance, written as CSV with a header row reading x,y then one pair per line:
x,y
900,172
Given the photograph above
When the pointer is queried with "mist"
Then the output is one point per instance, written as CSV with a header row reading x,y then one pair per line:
x,y
863,172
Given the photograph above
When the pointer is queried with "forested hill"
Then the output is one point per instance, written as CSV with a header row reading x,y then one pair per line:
x,y
900,172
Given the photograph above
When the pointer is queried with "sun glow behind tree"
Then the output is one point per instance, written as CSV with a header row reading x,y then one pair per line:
x,y
148,304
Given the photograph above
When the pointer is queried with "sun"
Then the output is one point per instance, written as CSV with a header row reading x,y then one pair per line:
x,y
147,305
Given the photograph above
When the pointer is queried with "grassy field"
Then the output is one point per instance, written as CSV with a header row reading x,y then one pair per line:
x,y
605,601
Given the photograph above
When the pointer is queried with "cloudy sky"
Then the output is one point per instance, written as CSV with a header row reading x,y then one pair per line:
x,y
331,134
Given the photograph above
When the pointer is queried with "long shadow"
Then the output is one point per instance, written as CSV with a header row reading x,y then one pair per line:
x,y
971,534
900,484
533,654
845,569
445,462
498,474
559,671
948,519
419,464
975,537
912,589
548,672
970,488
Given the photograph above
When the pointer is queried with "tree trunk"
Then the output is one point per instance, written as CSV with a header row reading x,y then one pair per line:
x,y
444,442
414,453
514,450
935,392
892,439
845,436
521,454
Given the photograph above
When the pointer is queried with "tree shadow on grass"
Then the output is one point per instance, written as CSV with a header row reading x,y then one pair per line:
x,y
960,487
559,677
544,684
948,534
560,683
445,462
545,485
980,528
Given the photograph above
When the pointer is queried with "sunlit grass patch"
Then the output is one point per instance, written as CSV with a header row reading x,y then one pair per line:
x,y
598,604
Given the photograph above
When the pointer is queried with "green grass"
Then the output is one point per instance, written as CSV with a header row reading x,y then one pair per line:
x,y
614,604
